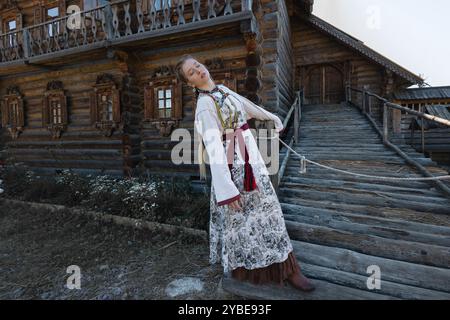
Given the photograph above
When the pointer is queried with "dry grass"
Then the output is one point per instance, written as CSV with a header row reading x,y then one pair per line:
x,y
116,262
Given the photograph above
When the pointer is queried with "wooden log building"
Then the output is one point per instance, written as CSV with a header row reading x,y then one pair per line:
x,y
90,85
434,101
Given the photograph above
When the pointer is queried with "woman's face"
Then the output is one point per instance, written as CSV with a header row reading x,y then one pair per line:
x,y
195,73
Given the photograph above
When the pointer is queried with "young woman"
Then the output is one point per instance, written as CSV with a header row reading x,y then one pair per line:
x,y
247,230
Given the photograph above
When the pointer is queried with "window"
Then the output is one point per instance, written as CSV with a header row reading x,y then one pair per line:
x,y
56,112
52,14
165,103
163,100
13,112
11,27
54,109
105,105
159,4
91,4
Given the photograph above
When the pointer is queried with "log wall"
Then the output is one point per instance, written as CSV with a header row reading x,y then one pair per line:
x,y
156,149
81,146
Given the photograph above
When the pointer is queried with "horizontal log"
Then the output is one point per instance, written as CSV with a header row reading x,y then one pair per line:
x,y
360,282
363,198
373,211
106,164
379,231
305,182
81,171
414,252
66,143
318,175
326,186
401,272
324,291
363,218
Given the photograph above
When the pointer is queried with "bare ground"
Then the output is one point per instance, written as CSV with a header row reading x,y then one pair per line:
x,y
116,262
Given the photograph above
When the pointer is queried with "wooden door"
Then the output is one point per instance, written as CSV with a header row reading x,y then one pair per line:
x,y
324,84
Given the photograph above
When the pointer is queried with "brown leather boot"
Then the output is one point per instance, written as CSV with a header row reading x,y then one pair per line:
x,y
300,282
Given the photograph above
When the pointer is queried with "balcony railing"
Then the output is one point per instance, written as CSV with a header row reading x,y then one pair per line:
x,y
116,21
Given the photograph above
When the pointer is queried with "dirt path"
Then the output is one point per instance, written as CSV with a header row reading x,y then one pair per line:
x,y
37,247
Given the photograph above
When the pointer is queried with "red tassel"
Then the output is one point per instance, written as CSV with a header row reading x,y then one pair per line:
x,y
249,178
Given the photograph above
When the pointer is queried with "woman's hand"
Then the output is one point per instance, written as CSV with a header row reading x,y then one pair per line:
x,y
236,205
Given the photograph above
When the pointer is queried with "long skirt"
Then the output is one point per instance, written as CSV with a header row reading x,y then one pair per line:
x,y
253,243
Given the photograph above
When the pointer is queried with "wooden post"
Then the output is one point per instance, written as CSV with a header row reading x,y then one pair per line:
x,y
385,123
423,130
296,119
370,105
246,5
108,24
364,97
26,43
270,126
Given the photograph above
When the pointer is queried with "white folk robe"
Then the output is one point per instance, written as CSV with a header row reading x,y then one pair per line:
x,y
255,237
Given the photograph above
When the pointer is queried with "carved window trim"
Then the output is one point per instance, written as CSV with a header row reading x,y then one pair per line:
x,y
12,13
13,113
152,100
55,94
105,87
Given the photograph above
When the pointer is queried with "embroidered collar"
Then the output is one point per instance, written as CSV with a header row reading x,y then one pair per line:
x,y
216,89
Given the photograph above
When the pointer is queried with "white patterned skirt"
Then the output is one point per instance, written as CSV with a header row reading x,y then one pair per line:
x,y
255,237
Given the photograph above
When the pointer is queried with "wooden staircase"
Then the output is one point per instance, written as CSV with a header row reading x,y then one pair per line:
x,y
340,224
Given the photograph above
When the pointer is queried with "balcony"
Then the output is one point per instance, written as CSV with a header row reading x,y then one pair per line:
x,y
116,23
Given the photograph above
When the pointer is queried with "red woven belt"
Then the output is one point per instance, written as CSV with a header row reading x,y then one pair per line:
x,y
249,178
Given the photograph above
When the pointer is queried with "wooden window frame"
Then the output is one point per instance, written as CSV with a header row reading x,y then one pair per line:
x,y
50,33
151,104
12,14
14,123
105,85
55,92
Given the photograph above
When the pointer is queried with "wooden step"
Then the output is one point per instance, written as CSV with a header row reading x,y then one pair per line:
x,y
373,211
305,183
370,167
388,194
379,231
319,175
394,271
409,251
324,291
363,218
369,198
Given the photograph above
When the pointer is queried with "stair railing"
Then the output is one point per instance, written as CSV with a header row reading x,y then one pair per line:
x,y
366,109
296,110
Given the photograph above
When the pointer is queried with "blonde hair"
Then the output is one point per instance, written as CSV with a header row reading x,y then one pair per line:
x,y
201,147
